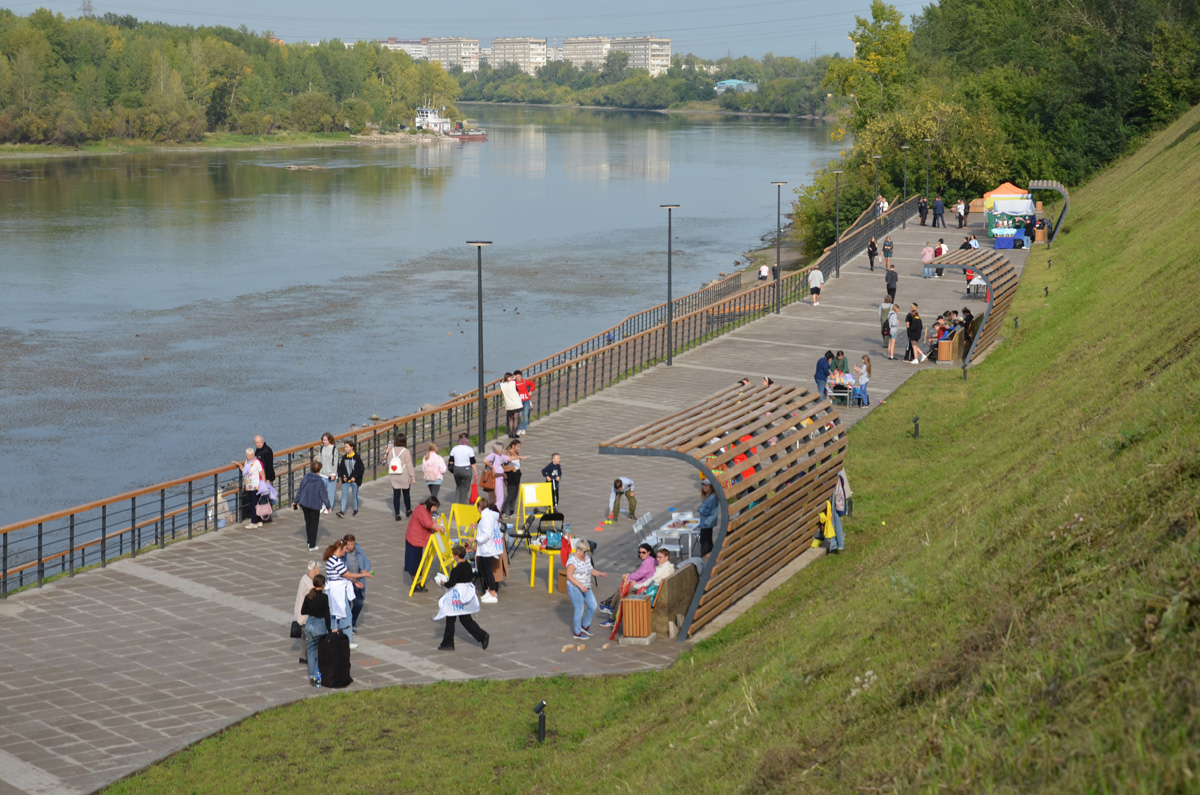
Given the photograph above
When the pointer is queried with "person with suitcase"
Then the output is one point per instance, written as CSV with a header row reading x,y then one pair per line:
x,y
315,606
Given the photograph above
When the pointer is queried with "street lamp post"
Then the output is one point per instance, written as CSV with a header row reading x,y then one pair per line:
x,y
479,244
904,220
670,300
778,238
927,142
837,221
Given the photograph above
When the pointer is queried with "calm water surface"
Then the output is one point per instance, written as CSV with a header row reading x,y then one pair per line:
x,y
158,310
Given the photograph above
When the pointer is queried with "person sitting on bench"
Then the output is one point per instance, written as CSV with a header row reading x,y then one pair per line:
x,y
630,582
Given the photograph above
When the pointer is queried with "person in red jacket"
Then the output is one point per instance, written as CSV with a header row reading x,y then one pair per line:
x,y
524,389
421,525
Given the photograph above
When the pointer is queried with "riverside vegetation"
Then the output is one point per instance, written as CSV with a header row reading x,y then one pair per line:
x,y
1027,620
74,81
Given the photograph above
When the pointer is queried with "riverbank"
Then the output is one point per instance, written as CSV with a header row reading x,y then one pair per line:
x,y
226,142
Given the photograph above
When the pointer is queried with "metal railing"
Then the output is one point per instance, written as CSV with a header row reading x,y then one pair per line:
x,y
854,242
94,533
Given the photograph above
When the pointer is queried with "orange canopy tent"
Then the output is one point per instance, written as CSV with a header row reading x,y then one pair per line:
x,y
1007,191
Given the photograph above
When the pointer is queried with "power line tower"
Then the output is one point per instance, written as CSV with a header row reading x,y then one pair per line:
x,y
816,48
87,9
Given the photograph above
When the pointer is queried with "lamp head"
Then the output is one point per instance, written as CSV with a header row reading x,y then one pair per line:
x,y
669,206
479,243
778,183
539,708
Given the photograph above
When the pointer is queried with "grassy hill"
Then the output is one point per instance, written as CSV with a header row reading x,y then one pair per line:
x,y
1028,618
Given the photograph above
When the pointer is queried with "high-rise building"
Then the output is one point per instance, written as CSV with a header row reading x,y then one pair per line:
x,y
646,52
417,48
455,51
527,53
585,50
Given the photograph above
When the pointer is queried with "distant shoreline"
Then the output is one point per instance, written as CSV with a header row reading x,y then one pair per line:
x,y
664,111
31,152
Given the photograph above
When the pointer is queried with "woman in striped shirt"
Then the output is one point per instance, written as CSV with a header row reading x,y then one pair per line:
x,y
340,589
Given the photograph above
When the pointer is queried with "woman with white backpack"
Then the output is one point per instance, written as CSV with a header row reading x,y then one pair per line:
x,y
400,472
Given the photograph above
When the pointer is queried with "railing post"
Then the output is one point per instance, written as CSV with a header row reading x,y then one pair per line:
x,y
41,566
103,536
190,509
134,533
240,501
4,574
216,503
71,544
162,518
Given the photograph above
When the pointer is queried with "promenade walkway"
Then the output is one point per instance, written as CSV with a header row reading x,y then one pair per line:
x,y
105,672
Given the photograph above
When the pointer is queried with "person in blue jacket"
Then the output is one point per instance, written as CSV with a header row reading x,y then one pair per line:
x,y
708,516
822,374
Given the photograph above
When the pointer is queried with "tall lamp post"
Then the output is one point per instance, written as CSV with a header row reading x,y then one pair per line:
x,y
670,301
479,244
778,238
904,220
837,221
927,142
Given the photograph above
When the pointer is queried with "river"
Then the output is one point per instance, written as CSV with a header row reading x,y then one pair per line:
x,y
159,309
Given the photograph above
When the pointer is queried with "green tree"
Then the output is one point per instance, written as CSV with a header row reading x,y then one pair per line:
x,y
312,111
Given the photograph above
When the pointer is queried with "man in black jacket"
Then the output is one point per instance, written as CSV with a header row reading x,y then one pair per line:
x,y
892,280
461,573
266,457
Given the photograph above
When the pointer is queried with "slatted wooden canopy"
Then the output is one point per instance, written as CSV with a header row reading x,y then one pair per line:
x,y
1002,281
1055,185
775,451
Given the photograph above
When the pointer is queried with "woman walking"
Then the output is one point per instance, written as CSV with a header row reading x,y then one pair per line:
x,y
312,498
579,588
489,547
327,455
913,323
252,476
494,462
872,252
350,472
421,525
400,473
433,467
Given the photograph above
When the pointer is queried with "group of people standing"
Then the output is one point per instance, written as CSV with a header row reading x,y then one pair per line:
x,y
962,209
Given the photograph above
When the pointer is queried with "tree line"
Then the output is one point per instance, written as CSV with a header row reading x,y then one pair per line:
x,y
786,85
69,81
1004,91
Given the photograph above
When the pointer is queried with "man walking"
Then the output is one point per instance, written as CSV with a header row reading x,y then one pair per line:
x,y
266,457
939,212
462,466
922,209
892,280
815,280
888,248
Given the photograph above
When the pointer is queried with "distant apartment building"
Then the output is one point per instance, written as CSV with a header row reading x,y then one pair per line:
x,y
417,48
646,52
485,56
525,52
580,52
455,52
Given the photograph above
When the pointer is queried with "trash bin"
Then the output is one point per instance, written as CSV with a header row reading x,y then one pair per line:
x,y
635,616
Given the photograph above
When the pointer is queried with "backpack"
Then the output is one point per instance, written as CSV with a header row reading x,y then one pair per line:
x,y
396,463
885,329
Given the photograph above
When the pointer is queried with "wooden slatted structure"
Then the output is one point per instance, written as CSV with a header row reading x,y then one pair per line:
x,y
1055,185
775,451
1002,279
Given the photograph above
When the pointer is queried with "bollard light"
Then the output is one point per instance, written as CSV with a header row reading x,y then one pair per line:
x,y
916,426
1047,291
540,710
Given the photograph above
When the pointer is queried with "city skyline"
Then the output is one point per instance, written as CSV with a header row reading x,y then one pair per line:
x,y
797,28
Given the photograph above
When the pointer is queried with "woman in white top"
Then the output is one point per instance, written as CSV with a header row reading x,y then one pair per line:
x,y
252,475
815,280
328,456
579,588
433,467
512,403
489,547
864,376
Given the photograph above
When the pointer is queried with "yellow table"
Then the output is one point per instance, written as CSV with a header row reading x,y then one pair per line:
x,y
551,555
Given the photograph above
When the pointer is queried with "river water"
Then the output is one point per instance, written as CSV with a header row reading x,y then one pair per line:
x,y
158,310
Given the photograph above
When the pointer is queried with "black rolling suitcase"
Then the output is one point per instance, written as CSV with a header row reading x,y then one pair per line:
x,y
333,658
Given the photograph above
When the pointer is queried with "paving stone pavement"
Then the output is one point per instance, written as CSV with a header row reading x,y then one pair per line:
x,y
108,671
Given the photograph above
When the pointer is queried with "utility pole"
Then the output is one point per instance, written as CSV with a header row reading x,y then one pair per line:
x,y
87,9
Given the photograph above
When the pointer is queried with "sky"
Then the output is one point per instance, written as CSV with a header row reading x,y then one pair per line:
x,y
797,28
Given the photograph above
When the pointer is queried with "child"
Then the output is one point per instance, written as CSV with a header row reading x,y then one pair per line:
x,y
864,377
552,472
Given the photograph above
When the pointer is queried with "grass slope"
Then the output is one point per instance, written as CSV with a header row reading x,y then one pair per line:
x,y
1026,620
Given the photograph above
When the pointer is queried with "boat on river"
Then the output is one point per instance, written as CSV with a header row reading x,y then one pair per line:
x,y
431,119
472,134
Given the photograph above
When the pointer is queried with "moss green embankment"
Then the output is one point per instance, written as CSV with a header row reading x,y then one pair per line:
x,y
1027,620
